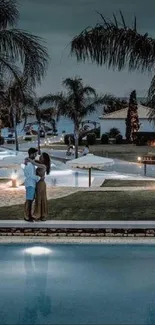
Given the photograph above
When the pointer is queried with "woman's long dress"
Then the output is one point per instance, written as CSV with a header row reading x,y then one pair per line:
x,y
41,205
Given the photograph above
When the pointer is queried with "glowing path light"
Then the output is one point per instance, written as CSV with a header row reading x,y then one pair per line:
x,y
14,179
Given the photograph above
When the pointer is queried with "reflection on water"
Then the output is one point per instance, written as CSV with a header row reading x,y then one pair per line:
x,y
37,301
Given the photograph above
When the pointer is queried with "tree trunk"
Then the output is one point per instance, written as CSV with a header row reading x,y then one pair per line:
x,y
16,139
15,128
39,151
0,127
76,137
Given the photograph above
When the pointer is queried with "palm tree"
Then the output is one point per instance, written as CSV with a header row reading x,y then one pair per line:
x,y
41,114
20,47
14,98
115,44
18,100
113,103
75,103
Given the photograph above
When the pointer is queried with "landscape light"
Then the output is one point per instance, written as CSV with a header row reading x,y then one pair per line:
x,y
14,180
139,159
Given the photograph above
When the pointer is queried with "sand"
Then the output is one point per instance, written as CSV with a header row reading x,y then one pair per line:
x,y
13,196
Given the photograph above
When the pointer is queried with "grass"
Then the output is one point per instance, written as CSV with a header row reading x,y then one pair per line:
x,y
4,180
127,183
139,205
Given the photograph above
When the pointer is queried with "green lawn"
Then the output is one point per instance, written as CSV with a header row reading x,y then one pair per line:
x,y
139,205
125,182
4,180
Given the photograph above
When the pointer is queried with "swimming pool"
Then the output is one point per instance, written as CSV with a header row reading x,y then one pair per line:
x,y
77,284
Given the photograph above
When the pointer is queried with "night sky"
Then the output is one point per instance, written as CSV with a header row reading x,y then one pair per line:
x,y
57,21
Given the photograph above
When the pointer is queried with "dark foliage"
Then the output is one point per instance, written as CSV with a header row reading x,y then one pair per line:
x,y
20,47
115,44
91,138
104,138
119,139
113,133
132,120
113,104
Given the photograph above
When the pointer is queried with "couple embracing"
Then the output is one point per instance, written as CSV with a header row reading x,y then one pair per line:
x,y
35,171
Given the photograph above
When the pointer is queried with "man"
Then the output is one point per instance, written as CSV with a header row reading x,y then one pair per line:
x,y
30,184
86,150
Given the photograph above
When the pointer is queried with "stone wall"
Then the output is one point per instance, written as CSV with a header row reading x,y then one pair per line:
x,y
68,232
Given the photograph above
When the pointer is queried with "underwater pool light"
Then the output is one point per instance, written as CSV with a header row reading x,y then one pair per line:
x,y
38,250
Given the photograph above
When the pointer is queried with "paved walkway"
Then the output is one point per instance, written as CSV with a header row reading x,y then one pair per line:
x,y
79,224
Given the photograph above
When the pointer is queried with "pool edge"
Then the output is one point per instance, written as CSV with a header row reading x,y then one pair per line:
x,y
77,240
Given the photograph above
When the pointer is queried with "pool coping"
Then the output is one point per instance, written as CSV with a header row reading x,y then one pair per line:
x,y
69,224
76,240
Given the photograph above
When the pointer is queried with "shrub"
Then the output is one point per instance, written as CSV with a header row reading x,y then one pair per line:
x,y
113,133
28,138
66,139
91,138
104,138
97,132
142,138
1,140
119,139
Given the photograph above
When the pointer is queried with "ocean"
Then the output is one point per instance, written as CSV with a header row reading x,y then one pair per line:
x,y
65,124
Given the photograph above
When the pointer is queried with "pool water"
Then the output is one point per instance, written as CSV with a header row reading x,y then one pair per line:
x,y
77,284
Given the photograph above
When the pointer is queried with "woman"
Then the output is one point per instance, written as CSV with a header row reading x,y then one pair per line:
x,y
43,167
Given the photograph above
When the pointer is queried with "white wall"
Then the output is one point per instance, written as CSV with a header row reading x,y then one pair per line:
x,y
106,125
147,126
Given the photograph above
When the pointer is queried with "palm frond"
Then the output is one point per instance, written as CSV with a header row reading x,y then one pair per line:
x,y
73,84
91,107
151,115
47,99
115,44
9,14
123,20
21,46
8,68
89,91
151,91
17,95
48,115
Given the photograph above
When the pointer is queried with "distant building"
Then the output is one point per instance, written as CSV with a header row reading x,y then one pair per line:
x,y
117,120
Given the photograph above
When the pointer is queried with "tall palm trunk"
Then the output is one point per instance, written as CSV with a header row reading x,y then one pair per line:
x,y
76,138
15,127
39,127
